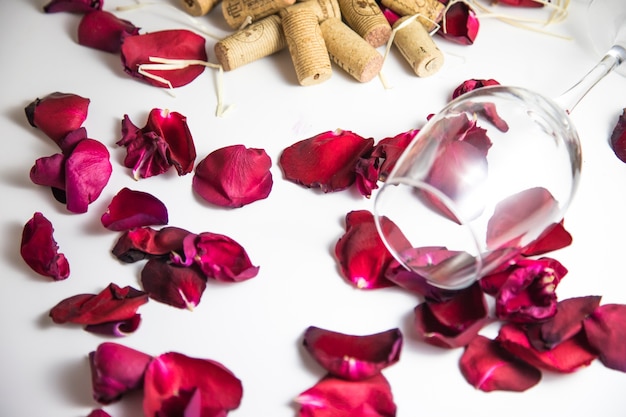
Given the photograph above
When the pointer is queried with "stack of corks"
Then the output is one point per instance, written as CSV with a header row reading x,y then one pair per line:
x,y
318,32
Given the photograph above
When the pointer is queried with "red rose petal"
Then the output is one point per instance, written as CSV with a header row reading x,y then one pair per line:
x,y
336,397
553,238
72,6
131,209
414,282
119,328
57,114
98,413
521,3
87,172
141,243
103,30
178,286
460,24
488,367
172,380
605,329
390,149
234,176
326,161
618,137
40,251
353,357
49,171
472,84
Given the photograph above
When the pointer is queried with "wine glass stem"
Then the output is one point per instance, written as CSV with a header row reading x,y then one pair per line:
x,y
611,60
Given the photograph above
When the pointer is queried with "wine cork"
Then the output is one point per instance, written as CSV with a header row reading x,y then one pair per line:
x,y
350,51
198,7
306,46
323,9
366,19
237,12
430,11
417,47
262,38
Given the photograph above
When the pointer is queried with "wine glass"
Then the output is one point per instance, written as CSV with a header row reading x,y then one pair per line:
x,y
490,173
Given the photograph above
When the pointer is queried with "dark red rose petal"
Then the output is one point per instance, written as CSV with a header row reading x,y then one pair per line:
x,y
103,30
488,367
618,137
119,328
605,329
40,251
353,357
173,382
178,286
460,24
87,172
326,161
57,114
141,243
234,176
336,397
116,370
73,6
366,179
472,84
130,209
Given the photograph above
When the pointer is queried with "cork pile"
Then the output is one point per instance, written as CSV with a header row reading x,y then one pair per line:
x,y
347,33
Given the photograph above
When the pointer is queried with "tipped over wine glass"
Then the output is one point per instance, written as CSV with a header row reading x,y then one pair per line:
x,y
491,172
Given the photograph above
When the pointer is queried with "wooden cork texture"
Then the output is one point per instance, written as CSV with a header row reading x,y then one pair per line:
x,y
366,19
417,47
198,7
430,11
237,12
350,51
323,9
306,46
258,40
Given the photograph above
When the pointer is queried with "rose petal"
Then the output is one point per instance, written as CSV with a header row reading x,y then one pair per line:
x,y
116,328
234,176
73,6
103,30
172,380
87,172
415,283
40,251
57,114
116,370
472,84
131,209
553,238
389,150
170,44
521,3
98,413
326,161
605,329
178,286
353,357
49,171
142,243
460,24
336,397
488,367
618,137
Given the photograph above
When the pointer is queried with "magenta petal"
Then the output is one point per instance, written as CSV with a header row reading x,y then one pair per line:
x,y
336,397
103,30
116,370
460,24
618,137
326,161
57,114
353,357
172,380
234,176
87,172
98,413
488,367
73,6
606,331
40,251
178,286
145,242
130,209
49,171
472,84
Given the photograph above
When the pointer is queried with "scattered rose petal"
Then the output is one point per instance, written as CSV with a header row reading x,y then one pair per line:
x,y
174,382
130,209
178,286
366,179
522,3
553,238
460,24
116,370
488,367
170,44
119,328
57,114
103,30
336,397
234,176
472,84
326,161
618,137
145,242
413,282
87,172
389,150
605,329
163,142
40,251
72,6
353,357
98,413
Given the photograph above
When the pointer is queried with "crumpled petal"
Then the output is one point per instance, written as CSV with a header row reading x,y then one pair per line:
x,y
87,172
57,114
618,137
145,242
553,238
103,30
234,176
131,209
73,6
326,161
488,367
353,357
336,397
163,142
116,370
169,44
40,251
460,24
415,283
389,150
472,84
605,329
118,328
177,286
174,382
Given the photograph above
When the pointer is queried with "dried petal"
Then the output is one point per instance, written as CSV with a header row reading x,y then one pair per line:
x,y
488,367
605,329
389,150
366,179
175,382
116,370
131,209
87,172
234,176
141,243
57,114
73,6
178,286
618,137
553,238
326,161
336,397
104,31
119,328
472,84
170,44
353,357
40,251
460,24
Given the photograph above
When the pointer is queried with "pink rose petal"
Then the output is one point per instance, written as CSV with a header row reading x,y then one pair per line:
x,y
131,209
605,329
87,172
40,251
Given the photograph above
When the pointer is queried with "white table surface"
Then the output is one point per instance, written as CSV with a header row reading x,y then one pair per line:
x,y
255,327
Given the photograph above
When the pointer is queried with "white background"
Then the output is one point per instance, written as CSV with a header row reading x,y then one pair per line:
x,y
255,328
